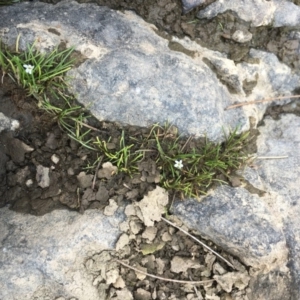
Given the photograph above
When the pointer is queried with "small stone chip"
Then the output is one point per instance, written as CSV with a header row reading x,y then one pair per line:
x,y
181,264
130,210
42,176
119,283
149,233
29,183
112,276
139,275
166,237
123,241
124,226
152,206
242,36
123,294
142,294
85,180
228,280
107,171
135,226
111,208
55,158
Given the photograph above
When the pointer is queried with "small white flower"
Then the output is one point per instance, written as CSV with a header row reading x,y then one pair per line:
x,y
28,68
178,164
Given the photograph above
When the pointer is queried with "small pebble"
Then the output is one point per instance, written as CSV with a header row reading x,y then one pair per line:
x,y
29,182
14,125
111,208
166,237
55,158
42,176
242,36
70,172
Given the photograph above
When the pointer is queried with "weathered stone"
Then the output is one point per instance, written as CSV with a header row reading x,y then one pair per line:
x,y
238,222
122,241
110,209
14,147
181,264
84,180
153,205
263,231
279,13
49,252
241,36
42,176
131,75
188,5
7,123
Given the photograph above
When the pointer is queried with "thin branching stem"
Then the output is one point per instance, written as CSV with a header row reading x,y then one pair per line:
x,y
162,278
198,241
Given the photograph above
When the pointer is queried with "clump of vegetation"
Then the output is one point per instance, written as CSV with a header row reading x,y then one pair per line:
x,y
42,75
186,165
37,72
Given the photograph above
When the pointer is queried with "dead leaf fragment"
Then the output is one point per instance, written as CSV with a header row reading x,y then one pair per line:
x,y
151,248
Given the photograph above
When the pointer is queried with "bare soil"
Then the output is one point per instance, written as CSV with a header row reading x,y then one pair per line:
x,y
40,142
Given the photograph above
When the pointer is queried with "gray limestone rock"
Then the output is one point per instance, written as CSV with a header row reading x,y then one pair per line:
x,y
278,13
263,231
7,123
188,5
132,75
240,223
46,255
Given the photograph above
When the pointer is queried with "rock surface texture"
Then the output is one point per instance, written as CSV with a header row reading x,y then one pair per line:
x,y
260,13
40,258
259,222
133,75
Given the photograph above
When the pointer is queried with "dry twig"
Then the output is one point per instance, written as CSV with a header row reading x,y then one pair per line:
x,y
201,243
261,101
162,278
96,171
272,157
